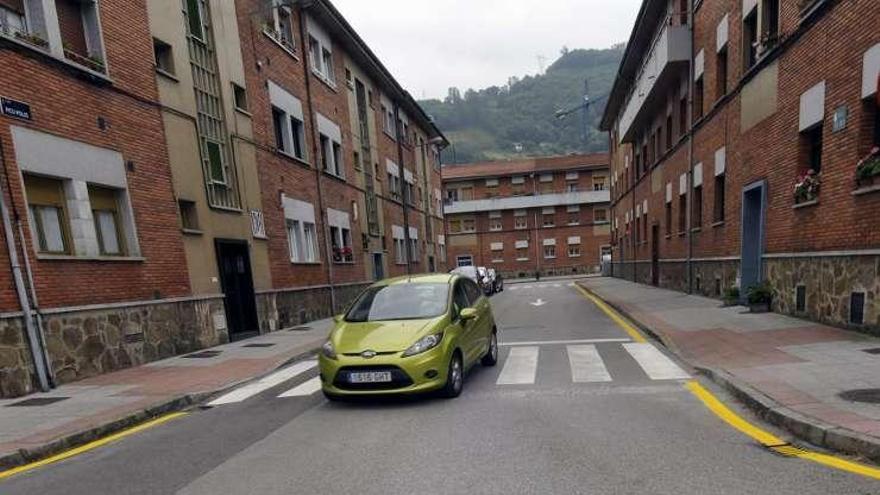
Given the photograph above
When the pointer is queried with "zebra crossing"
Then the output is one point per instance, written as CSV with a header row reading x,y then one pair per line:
x,y
586,362
520,366
548,285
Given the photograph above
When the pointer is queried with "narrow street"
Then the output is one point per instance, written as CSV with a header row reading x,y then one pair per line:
x,y
575,405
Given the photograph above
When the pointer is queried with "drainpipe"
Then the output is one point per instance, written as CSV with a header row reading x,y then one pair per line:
x,y
690,175
538,250
406,240
36,304
306,54
34,338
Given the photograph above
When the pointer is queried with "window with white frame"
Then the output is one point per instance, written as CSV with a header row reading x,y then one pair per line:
x,y
441,247
574,214
409,187
397,234
600,215
549,217
330,145
78,207
522,250
321,53
389,123
549,248
574,247
340,236
279,25
287,121
600,182
495,223
302,232
414,244
393,179
520,220
497,249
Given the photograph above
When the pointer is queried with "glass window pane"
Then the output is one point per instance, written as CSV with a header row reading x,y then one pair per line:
x,y
194,16
52,234
215,160
107,232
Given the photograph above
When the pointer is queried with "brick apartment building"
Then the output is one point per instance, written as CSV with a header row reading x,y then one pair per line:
x,y
181,172
543,215
718,110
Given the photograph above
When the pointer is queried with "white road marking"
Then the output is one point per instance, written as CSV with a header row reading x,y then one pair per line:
x,y
520,367
587,365
540,302
564,342
263,384
556,286
304,389
656,365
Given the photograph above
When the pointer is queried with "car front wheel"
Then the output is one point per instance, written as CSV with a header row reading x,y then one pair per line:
x,y
454,377
491,357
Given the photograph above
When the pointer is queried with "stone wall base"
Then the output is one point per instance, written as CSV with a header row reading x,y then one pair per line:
x,y
278,310
551,272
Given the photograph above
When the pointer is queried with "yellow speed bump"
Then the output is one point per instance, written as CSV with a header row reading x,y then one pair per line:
x,y
773,442
90,446
614,315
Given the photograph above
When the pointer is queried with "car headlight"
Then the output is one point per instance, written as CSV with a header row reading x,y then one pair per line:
x,y
328,350
425,343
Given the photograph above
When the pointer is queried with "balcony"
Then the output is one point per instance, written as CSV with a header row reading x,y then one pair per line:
x,y
522,202
669,53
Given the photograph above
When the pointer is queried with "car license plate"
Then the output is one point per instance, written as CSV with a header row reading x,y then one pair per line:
x,y
370,377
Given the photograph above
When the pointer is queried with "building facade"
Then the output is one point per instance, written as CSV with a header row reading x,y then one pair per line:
x,y
180,173
547,216
744,140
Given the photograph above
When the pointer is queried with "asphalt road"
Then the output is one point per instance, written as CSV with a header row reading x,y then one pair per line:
x,y
589,412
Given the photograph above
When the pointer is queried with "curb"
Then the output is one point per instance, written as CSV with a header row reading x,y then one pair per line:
x,y
181,403
814,431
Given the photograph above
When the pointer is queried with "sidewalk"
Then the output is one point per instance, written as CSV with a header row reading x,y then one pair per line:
x,y
38,425
790,371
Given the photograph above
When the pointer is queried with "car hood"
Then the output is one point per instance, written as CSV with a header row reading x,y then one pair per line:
x,y
378,336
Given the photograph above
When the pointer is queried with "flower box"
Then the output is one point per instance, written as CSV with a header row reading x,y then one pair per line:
x,y
806,188
868,169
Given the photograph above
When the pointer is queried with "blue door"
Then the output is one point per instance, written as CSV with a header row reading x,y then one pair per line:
x,y
753,218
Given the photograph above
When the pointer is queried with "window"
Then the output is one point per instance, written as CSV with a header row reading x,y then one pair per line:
x,y
719,198
303,241
857,308
698,207
388,123
189,218
278,123
682,213
522,253
571,188
600,182
669,132
495,224
750,39
215,163
520,223
105,212
698,98
194,19
549,252
331,156
340,240
682,116
468,225
769,23
239,97
574,219
600,215
812,143
669,218
574,251
287,121
12,18
549,220
46,204
329,71
721,73
163,56
400,254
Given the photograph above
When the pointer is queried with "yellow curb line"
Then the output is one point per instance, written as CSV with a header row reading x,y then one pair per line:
x,y
614,315
774,443
91,445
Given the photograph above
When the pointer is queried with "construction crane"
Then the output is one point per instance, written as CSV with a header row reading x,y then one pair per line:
x,y
584,108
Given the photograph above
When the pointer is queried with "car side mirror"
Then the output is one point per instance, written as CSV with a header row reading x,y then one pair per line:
x,y
468,314
338,318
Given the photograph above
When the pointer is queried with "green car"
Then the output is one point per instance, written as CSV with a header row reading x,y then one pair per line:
x,y
409,335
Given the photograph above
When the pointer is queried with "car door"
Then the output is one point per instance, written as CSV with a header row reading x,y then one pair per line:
x,y
461,301
477,333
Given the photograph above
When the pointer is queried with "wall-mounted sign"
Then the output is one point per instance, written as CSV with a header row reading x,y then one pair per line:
x,y
15,109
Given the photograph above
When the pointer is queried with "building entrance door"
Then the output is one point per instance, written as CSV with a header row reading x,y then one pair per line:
x,y
378,268
237,282
753,218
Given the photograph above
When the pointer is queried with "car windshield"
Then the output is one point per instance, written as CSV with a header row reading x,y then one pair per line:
x,y
409,301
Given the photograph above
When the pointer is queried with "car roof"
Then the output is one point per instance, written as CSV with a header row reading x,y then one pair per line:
x,y
427,278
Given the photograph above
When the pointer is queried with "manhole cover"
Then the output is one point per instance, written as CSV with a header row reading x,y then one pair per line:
x,y
259,345
866,395
203,355
875,350
37,402
300,329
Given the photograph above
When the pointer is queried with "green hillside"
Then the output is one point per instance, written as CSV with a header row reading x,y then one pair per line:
x,y
492,123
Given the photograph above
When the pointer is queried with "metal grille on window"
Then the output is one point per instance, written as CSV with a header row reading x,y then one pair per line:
x,y
220,176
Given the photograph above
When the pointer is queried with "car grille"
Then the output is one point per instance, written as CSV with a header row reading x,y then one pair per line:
x,y
399,379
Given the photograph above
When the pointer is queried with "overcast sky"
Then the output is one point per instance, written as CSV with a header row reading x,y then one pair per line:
x,y
431,45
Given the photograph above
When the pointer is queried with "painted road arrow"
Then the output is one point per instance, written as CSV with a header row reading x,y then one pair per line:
x,y
540,302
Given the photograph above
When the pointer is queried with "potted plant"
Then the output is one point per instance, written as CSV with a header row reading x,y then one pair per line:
x,y
868,169
760,297
731,296
806,188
